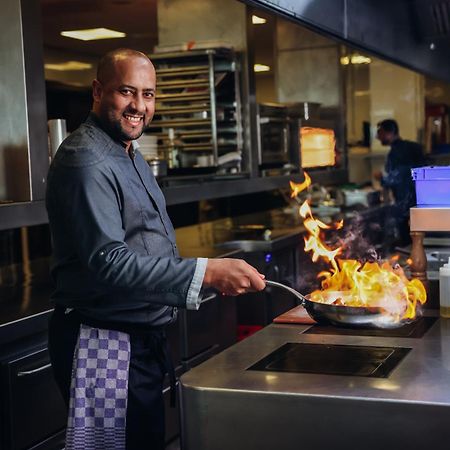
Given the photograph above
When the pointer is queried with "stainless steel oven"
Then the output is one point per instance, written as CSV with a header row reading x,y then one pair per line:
x,y
277,136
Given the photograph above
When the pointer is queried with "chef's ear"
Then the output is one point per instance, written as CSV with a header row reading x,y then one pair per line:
x,y
97,90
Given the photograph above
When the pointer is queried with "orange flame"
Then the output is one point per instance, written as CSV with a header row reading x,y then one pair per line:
x,y
299,187
350,283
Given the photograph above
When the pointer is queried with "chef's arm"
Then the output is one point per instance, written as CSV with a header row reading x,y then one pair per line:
x,y
92,209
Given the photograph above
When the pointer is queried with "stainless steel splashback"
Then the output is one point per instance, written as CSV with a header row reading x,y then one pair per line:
x,y
23,130
15,182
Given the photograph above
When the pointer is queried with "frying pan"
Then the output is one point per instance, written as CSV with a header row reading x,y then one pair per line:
x,y
348,316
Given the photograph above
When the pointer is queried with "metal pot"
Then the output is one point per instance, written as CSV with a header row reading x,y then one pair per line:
x,y
349,316
158,166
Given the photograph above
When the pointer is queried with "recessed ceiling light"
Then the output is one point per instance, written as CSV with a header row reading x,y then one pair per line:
x,y
68,65
355,59
256,20
360,59
93,34
261,68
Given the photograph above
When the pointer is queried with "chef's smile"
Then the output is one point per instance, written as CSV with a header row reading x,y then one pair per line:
x,y
133,120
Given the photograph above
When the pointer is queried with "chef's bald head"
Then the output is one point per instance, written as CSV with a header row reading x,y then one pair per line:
x,y
107,64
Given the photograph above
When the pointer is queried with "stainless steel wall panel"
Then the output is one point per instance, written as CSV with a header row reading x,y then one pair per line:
x,y
33,50
14,160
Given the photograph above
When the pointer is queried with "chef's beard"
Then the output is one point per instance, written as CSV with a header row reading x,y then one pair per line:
x,y
113,126
120,134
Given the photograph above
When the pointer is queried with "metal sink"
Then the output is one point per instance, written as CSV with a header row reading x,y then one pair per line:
x,y
247,245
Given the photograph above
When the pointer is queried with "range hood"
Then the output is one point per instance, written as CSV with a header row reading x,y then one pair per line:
x,y
432,18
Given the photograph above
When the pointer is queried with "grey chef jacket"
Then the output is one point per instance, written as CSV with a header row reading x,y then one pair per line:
x,y
114,252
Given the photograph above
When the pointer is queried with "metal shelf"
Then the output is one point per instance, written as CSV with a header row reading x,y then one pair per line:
x,y
179,123
191,88
181,84
183,97
185,70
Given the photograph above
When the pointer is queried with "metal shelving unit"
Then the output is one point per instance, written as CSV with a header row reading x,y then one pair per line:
x,y
199,97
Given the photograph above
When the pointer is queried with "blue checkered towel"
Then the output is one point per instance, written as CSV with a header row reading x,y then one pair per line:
x,y
98,392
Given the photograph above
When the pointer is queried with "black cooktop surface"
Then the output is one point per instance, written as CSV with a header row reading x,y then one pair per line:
x,y
351,360
414,329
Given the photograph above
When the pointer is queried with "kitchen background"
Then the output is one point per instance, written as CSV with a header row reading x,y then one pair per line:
x,y
280,73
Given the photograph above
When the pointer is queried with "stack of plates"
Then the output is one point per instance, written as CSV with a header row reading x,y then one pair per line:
x,y
148,146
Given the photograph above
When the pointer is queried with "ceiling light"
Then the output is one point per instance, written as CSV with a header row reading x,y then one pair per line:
x,y
93,34
68,65
261,68
360,59
256,20
355,59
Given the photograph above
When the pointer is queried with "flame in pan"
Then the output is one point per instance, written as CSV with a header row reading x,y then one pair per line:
x,y
349,282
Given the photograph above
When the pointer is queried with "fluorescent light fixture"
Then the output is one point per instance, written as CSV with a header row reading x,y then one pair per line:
x,y
256,20
93,34
68,65
261,68
360,59
355,59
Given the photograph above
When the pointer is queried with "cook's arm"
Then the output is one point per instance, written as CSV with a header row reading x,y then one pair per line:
x,y
91,206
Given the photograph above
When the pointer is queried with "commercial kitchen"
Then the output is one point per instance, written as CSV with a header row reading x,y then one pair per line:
x,y
264,144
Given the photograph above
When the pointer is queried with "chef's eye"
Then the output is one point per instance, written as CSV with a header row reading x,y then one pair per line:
x,y
149,94
126,91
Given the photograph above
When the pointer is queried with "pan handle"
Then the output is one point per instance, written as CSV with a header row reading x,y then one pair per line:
x,y
297,294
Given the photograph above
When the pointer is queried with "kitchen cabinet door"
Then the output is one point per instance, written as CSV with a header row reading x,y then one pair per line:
x,y
33,406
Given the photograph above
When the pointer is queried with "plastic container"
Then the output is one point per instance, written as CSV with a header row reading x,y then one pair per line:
x,y
432,185
444,289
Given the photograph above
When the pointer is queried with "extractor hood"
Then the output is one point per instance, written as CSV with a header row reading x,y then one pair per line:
x,y
432,18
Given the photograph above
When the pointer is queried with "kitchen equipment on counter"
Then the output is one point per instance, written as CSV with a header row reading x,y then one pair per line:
x,y
158,166
331,359
277,136
366,197
317,147
318,410
148,146
444,290
432,185
354,316
57,132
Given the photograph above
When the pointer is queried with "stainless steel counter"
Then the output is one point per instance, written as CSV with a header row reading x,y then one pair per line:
x,y
225,406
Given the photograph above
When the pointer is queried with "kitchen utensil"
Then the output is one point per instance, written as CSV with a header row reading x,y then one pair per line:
x,y
349,316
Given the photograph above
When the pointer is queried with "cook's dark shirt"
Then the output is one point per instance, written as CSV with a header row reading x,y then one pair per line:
x,y
402,157
114,252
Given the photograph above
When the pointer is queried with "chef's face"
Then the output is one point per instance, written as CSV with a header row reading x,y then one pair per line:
x,y
125,101
385,137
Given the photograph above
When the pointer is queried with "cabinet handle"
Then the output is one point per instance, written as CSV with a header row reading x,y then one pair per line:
x,y
26,373
209,298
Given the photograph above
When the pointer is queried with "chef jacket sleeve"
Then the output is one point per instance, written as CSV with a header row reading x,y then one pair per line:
x,y
90,203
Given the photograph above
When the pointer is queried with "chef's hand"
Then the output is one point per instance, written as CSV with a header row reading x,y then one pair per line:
x,y
232,276
378,175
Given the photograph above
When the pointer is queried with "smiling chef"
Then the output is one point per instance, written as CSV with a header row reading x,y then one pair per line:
x,y
119,278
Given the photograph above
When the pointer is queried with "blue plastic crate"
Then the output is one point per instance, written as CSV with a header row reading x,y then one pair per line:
x,y
432,185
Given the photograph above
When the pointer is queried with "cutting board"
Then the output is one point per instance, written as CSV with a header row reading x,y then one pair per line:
x,y
295,315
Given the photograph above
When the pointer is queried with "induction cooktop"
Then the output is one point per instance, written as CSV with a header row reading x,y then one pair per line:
x,y
414,329
329,359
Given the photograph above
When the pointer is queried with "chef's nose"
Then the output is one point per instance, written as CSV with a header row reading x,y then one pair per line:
x,y
138,103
